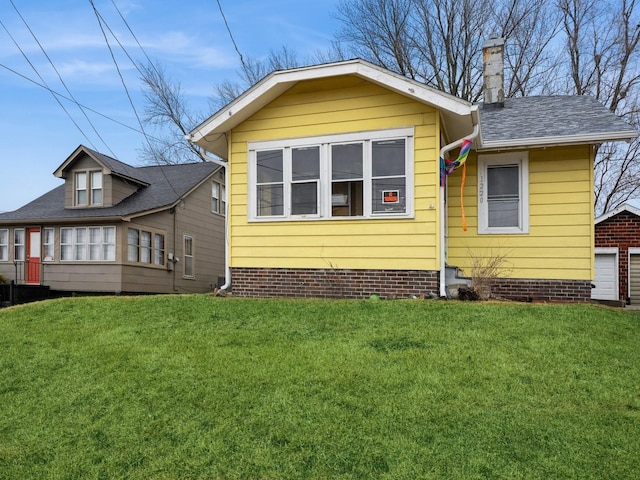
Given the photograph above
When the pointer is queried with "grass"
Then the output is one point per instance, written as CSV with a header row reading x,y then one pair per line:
x,y
188,387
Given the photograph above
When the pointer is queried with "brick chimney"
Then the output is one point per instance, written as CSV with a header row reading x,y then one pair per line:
x,y
493,71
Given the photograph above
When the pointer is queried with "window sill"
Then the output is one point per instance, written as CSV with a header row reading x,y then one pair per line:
x,y
331,219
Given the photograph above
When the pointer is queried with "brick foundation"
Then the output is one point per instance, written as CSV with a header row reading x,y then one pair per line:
x,y
332,283
339,283
524,290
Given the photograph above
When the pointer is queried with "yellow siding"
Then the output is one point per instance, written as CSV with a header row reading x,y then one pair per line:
x,y
335,106
559,244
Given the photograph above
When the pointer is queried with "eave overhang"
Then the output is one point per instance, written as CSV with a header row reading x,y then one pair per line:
x,y
542,142
458,115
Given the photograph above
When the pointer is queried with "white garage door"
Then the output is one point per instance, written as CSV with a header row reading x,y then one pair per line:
x,y
606,280
634,278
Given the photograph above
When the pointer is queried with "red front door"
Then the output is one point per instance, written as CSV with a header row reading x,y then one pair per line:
x,y
33,255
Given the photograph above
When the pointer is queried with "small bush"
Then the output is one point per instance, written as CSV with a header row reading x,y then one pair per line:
x,y
486,267
3,279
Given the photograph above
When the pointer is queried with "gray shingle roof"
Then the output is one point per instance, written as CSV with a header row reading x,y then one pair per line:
x,y
117,167
531,120
167,184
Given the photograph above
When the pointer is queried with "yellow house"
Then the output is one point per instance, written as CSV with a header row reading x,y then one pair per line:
x,y
334,187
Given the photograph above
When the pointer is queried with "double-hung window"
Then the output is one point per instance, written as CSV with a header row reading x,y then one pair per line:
x,y
48,244
188,257
4,245
96,188
88,188
81,188
361,175
145,247
19,244
503,193
218,203
82,244
305,180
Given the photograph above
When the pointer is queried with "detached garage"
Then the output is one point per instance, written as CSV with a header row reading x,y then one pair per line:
x,y
617,256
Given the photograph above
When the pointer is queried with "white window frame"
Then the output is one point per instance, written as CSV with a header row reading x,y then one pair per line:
x,y
511,158
48,244
189,259
149,254
325,181
80,251
89,189
4,245
218,192
95,189
78,190
19,257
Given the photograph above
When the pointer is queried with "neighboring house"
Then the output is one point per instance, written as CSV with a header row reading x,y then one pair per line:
x,y
334,185
617,256
116,228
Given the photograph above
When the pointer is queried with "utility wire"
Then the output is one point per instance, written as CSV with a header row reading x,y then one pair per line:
x,y
231,36
115,62
58,94
136,39
45,83
60,78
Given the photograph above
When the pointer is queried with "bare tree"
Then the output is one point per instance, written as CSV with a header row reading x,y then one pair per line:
x,y
439,42
602,45
381,31
529,28
167,111
252,71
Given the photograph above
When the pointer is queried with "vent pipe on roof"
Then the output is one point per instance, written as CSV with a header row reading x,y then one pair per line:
x,y
493,71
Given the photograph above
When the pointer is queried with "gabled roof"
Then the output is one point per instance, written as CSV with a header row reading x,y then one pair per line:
x,y
625,207
524,122
550,120
164,186
111,165
458,115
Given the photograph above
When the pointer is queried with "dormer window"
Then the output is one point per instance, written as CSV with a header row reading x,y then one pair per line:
x,y
81,188
88,188
96,188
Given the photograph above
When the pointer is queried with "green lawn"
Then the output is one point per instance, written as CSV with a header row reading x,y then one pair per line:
x,y
179,387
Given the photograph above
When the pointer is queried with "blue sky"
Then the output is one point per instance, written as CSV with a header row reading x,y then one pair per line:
x,y
189,39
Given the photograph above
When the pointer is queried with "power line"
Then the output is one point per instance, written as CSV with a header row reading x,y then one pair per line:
x,y
60,78
45,83
124,20
58,94
115,62
231,36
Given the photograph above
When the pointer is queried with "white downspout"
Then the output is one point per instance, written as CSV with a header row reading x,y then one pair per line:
x,y
443,233
227,268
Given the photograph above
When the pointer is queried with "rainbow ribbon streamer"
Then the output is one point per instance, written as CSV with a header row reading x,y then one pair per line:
x,y
448,166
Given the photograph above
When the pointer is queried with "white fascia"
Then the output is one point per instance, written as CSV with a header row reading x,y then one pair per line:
x,y
592,138
278,82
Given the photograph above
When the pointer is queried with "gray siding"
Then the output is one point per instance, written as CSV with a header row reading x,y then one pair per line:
x,y
193,217
116,190
83,277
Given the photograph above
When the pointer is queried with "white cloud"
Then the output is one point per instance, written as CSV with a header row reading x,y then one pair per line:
x,y
83,68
